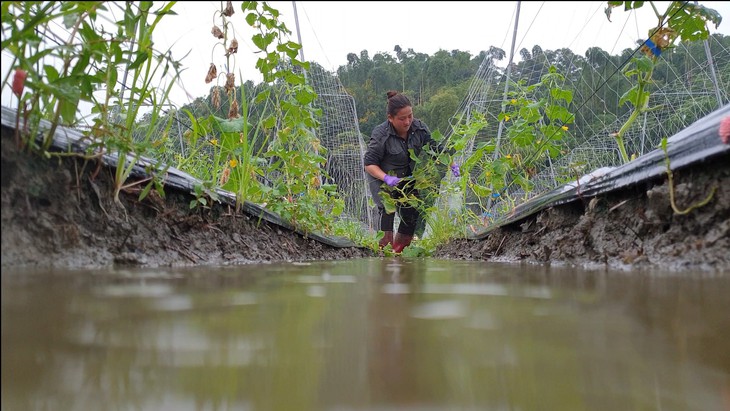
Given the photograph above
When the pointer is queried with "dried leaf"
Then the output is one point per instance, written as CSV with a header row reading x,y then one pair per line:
x,y
216,99
664,37
216,32
225,176
228,11
212,73
233,112
233,48
230,82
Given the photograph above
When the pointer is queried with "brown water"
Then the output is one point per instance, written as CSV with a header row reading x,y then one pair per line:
x,y
374,334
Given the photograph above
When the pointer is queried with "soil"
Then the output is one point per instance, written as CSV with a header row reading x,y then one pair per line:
x,y
61,213
630,229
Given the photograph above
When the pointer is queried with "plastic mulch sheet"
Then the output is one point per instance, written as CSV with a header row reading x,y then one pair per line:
x,y
695,144
66,139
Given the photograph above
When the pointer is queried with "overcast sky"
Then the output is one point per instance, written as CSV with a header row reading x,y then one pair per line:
x,y
330,30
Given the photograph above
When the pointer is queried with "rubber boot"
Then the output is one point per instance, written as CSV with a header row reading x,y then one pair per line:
x,y
387,239
401,241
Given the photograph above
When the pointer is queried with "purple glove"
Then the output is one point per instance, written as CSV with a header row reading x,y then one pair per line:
x,y
455,170
391,180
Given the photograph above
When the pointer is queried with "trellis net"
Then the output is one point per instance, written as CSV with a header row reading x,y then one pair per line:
x,y
339,134
591,147
677,100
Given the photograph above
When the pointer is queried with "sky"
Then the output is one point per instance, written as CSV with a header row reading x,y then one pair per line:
x,y
331,30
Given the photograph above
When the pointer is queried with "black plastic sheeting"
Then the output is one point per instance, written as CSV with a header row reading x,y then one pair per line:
x,y
696,143
66,139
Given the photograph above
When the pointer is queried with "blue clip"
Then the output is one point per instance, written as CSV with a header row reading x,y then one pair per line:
x,y
653,47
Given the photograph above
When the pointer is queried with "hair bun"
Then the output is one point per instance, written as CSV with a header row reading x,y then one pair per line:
x,y
392,93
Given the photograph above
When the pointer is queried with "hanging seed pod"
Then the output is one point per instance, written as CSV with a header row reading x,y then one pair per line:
x,y
233,112
216,32
233,48
230,82
228,11
212,73
216,98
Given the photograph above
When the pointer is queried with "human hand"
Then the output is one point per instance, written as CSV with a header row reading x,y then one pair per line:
x,y
455,170
391,180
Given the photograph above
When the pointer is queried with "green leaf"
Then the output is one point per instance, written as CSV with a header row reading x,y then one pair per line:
x,y
560,94
558,113
51,73
237,125
259,41
644,64
68,108
146,190
523,138
629,96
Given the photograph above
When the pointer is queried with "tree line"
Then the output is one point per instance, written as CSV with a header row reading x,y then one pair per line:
x,y
438,83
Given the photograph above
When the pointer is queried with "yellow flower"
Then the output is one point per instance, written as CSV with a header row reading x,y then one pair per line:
x,y
506,118
513,101
508,156
565,128
233,162
214,142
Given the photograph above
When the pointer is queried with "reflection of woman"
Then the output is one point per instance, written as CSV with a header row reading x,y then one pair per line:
x,y
393,366
388,160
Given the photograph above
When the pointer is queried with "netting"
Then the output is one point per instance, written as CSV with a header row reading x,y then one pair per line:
x,y
677,101
339,133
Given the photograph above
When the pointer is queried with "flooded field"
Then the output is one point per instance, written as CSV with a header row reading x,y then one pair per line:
x,y
365,334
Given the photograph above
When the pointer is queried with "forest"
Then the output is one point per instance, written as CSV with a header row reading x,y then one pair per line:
x,y
437,84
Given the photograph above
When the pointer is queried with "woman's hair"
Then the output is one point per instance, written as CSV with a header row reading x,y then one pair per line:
x,y
396,101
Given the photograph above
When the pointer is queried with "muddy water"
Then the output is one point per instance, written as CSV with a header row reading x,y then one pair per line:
x,y
373,334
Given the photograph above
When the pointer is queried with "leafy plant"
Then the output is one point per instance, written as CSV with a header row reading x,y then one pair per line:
x,y
536,120
85,68
681,20
298,191
204,194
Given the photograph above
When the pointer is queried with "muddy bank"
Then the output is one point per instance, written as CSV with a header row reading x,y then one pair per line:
x,y
633,228
61,213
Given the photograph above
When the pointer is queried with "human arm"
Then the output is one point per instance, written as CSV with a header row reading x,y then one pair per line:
x,y
376,154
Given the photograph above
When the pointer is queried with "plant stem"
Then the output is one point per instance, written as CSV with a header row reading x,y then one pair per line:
x,y
620,134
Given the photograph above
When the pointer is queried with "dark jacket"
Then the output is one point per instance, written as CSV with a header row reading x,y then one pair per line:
x,y
390,152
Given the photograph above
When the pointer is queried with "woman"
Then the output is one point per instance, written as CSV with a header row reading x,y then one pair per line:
x,y
387,160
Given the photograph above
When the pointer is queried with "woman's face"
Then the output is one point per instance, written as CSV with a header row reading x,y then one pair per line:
x,y
402,120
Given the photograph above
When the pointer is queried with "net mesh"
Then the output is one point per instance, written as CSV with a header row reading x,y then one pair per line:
x,y
676,102
340,135
677,99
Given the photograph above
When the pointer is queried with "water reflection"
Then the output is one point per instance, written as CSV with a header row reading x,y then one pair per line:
x,y
372,334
